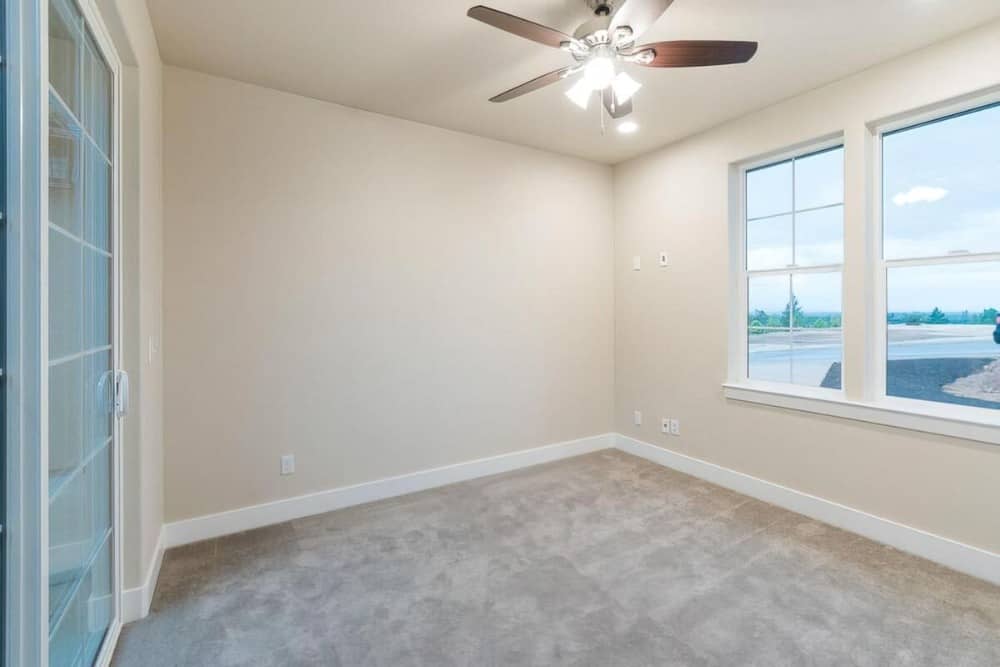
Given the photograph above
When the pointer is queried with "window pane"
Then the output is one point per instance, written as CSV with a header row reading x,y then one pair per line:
x,y
943,334
817,341
65,425
65,295
97,92
796,339
769,357
819,179
769,190
942,187
65,24
819,237
80,630
97,203
769,243
769,339
96,299
65,170
79,520
768,301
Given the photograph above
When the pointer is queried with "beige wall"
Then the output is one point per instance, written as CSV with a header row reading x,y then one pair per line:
x,y
142,273
671,325
372,295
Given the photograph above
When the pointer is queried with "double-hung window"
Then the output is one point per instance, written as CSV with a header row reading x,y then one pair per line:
x,y
793,222
922,270
941,259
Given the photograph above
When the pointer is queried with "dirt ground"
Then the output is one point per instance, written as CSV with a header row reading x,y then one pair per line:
x,y
984,385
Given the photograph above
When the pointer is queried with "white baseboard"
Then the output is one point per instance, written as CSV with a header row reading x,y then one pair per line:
x,y
256,516
136,601
955,555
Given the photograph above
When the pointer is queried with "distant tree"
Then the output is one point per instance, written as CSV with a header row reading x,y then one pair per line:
x,y
758,318
937,317
793,314
914,318
989,316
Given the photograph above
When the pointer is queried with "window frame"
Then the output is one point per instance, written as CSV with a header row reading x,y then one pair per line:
x,y
739,373
876,378
867,402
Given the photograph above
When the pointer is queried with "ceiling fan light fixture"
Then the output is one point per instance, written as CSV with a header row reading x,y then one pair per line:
x,y
628,127
599,72
580,93
625,87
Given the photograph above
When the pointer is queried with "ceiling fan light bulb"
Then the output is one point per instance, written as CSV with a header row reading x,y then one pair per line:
x,y
628,127
599,72
625,88
579,94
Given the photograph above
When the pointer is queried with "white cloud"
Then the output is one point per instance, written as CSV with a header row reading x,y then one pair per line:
x,y
920,194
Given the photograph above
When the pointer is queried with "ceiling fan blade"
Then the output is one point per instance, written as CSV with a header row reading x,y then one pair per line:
x,y
534,84
695,53
614,109
639,15
518,26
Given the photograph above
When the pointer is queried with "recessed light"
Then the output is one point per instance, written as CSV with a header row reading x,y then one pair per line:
x,y
628,127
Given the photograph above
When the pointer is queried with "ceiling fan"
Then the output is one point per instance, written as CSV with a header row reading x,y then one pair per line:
x,y
600,44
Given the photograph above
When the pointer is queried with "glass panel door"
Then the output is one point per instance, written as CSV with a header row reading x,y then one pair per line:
x,y
81,337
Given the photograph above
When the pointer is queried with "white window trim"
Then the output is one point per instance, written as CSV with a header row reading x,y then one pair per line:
x,y
911,414
966,422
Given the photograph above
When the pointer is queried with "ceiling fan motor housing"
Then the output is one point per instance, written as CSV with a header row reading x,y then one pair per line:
x,y
597,31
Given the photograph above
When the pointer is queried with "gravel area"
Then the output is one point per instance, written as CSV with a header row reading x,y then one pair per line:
x,y
983,386
959,381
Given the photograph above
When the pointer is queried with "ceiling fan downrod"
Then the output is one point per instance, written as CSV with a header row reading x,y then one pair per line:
x,y
602,7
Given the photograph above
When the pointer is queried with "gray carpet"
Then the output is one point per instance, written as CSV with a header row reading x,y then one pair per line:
x,y
604,559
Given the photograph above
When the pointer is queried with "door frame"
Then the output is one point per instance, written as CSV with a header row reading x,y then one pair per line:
x,y
26,566
93,19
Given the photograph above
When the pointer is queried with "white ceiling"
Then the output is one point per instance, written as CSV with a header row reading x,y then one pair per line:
x,y
424,60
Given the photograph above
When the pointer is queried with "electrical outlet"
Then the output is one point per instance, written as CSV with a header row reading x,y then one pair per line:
x,y
288,464
675,427
637,418
665,425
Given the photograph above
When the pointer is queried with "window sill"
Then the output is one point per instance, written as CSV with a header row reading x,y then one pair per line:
x,y
940,419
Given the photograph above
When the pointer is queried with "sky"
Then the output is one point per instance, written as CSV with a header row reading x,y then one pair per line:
x,y
941,197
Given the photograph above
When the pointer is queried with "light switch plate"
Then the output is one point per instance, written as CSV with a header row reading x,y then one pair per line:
x,y
288,464
637,263
664,259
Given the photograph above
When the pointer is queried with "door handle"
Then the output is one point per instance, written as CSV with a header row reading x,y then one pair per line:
x,y
121,394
